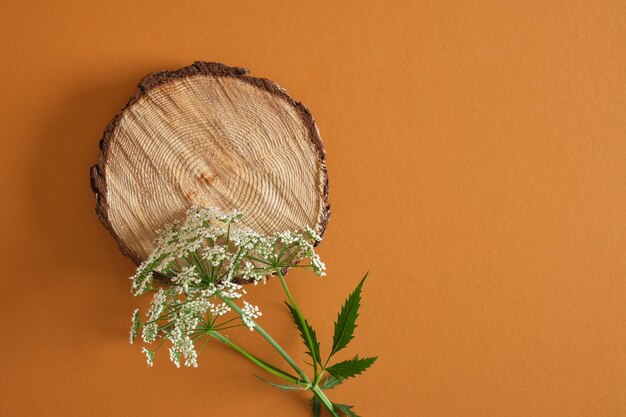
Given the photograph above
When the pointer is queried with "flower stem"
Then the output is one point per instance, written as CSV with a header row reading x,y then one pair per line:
x,y
317,391
270,340
266,366
320,394
303,325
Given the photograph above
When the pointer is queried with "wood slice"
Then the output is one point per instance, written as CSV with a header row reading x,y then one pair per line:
x,y
209,135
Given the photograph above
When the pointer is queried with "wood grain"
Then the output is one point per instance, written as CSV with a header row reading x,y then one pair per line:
x,y
209,135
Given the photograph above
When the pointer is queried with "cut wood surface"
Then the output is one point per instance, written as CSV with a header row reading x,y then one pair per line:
x,y
209,135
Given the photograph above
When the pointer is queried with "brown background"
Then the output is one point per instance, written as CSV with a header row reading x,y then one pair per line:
x,y
476,153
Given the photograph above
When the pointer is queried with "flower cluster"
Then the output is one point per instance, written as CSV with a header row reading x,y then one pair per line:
x,y
201,263
250,312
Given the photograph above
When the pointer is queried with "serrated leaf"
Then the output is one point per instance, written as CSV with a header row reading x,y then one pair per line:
x,y
346,320
346,409
316,406
314,351
282,387
331,382
351,367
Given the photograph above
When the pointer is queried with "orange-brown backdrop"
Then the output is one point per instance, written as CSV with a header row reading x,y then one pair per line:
x,y
477,159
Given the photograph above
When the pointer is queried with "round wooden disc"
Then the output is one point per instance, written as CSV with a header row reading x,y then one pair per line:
x,y
209,135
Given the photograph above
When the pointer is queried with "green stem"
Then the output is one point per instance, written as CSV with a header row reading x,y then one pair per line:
x,y
307,382
318,378
266,366
270,340
303,325
320,394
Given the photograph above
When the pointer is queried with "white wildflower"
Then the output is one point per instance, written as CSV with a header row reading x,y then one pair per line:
x,y
231,217
312,234
288,237
186,319
150,332
249,272
250,312
157,306
136,325
189,353
209,291
142,280
266,247
149,356
184,348
214,255
218,310
175,356
230,290
166,261
204,258
244,238
317,265
168,235
186,277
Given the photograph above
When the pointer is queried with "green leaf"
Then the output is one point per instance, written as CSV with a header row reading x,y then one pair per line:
x,y
351,367
346,409
346,320
282,387
316,406
314,350
331,382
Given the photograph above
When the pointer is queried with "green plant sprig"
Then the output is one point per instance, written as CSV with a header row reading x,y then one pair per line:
x,y
204,259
